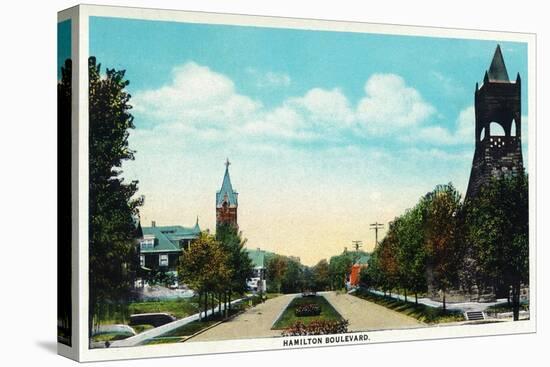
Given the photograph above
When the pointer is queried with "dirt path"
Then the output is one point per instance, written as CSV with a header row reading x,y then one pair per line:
x,y
253,323
364,315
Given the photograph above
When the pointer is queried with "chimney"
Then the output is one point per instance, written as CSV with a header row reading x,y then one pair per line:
x,y
153,224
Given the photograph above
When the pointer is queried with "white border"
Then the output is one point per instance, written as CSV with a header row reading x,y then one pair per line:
x,y
438,332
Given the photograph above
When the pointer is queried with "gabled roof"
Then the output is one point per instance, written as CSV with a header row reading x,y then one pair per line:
x,y
497,71
226,190
257,257
363,260
167,237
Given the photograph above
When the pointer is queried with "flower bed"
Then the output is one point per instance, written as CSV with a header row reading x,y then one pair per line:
x,y
317,327
308,309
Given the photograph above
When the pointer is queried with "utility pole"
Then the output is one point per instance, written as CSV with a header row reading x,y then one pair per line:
x,y
357,245
376,226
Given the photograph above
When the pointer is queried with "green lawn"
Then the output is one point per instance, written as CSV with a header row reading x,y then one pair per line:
x,y
179,308
160,340
430,315
110,337
288,317
504,307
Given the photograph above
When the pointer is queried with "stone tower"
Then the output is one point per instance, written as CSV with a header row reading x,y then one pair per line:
x,y
497,108
226,201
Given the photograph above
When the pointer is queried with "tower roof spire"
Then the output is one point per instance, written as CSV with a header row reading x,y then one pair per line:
x,y
226,190
497,71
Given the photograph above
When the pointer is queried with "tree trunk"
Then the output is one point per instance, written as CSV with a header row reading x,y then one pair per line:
x,y
220,304
444,303
226,304
205,305
515,300
229,296
212,303
415,298
405,290
200,313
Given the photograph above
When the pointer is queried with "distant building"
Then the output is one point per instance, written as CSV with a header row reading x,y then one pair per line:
x,y
355,274
257,282
161,246
227,201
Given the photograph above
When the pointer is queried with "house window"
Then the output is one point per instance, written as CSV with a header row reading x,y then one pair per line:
x,y
163,260
147,243
142,260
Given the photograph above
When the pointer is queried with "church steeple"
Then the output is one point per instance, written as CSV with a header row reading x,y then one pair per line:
x,y
226,201
226,192
497,71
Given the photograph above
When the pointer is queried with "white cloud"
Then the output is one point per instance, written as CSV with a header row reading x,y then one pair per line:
x,y
325,107
463,132
202,104
197,96
391,105
269,79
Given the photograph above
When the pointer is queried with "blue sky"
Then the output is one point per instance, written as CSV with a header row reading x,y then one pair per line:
x,y
327,131
63,44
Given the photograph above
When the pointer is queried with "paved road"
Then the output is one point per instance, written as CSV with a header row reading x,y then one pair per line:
x,y
364,315
256,322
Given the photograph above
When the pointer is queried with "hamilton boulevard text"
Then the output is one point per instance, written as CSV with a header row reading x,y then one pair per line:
x,y
325,340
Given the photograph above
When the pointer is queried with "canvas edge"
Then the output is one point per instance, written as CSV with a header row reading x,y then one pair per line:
x,y
81,14
72,351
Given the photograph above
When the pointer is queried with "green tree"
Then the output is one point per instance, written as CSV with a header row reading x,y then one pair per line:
x,y
203,266
340,267
321,275
238,261
442,240
411,253
276,266
387,259
293,278
112,205
497,223
371,277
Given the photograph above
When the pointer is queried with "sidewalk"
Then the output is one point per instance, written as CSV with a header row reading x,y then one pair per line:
x,y
463,306
364,315
255,322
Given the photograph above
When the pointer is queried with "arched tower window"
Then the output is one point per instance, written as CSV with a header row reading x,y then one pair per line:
x,y
496,129
514,128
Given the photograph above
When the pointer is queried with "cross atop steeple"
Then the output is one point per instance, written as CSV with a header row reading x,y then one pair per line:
x,y
227,163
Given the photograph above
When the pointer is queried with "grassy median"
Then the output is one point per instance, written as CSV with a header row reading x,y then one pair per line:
x,y
288,317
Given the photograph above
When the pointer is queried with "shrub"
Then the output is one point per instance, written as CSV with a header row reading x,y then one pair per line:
x,y
308,309
317,327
